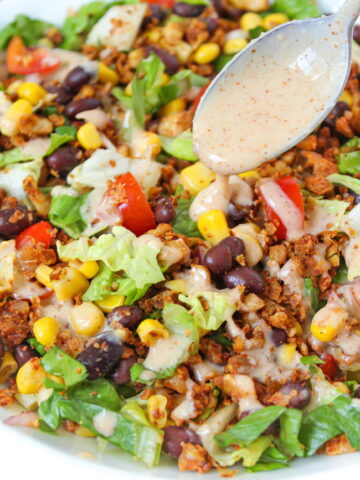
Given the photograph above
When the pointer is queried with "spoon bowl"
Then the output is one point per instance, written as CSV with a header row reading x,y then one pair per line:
x,y
275,92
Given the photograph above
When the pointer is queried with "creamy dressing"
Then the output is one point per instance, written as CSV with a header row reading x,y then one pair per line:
x,y
272,95
282,205
105,423
204,370
166,352
186,409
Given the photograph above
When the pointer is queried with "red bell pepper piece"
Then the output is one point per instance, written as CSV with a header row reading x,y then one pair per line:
x,y
162,3
330,367
199,95
23,61
39,233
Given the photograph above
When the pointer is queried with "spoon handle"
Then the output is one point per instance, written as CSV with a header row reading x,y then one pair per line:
x,y
349,12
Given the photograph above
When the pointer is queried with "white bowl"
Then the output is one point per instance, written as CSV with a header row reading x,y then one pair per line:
x,y
33,455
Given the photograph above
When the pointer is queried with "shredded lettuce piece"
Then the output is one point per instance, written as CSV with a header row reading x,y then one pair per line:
x,y
65,213
56,362
347,181
13,156
349,158
218,312
221,61
61,136
179,84
297,9
119,251
182,223
29,29
12,177
180,146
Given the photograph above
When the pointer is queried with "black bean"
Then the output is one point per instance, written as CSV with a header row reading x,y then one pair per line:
x,y
211,23
357,392
164,210
64,96
63,160
224,10
82,105
337,112
156,15
121,376
128,316
236,214
174,437
23,353
77,78
278,336
235,244
170,61
299,394
14,220
219,259
357,34
2,349
188,10
245,276
102,356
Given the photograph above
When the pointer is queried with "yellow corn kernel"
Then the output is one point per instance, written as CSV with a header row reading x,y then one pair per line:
x,y
42,275
45,330
89,269
273,20
298,328
196,177
150,141
253,250
249,21
206,53
156,411
30,377
182,51
176,106
128,90
213,226
10,120
110,302
107,75
151,330
89,137
249,174
178,285
8,366
68,283
286,353
347,97
328,322
154,35
84,432
32,92
87,319
165,78
234,45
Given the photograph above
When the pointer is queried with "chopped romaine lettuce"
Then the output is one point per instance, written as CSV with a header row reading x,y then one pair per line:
x,y
65,213
56,362
120,251
180,146
179,84
61,136
290,424
12,177
296,9
221,61
13,156
346,181
182,223
312,294
99,392
215,315
29,29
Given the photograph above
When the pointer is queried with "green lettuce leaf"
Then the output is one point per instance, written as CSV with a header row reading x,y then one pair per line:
x,y
349,158
120,252
182,223
313,293
179,84
104,282
212,318
346,181
13,156
65,213
249,428
297,9
61,136
311,360
141,441
341,275
99,392
49,413
221,61
180,147
290,424
29,29
256,32
11,177
58,363
271,459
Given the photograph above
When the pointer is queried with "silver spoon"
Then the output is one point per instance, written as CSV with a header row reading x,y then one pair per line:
x,y
275,92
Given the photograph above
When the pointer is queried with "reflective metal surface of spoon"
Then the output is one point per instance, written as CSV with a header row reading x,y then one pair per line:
x,y
275,92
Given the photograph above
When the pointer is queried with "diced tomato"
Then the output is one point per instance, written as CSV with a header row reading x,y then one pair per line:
x,y
162,3
199,95
40,232
23,61
289,186
136,212
330,366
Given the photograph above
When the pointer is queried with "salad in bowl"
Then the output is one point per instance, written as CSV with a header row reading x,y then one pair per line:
x,y
145,300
